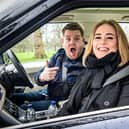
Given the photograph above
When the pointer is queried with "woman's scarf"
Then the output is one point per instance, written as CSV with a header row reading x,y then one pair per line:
x,y
103,67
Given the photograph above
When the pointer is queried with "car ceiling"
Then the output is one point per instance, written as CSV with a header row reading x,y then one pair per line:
x,y
94,14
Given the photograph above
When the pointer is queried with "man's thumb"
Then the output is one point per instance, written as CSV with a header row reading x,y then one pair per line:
x,y
46,63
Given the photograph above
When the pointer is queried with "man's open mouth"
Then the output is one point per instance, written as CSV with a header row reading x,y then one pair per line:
x,y
73,50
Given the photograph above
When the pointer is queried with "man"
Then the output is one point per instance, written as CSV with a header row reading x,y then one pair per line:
x,y
60,72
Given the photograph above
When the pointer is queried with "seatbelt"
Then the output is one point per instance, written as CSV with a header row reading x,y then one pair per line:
x,y
117,76
64,77
64,72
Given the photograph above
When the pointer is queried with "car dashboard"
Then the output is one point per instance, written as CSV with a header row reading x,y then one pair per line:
x,y
10,113
6,109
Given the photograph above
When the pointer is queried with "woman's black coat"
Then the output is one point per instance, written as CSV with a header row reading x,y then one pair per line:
x,y
89,95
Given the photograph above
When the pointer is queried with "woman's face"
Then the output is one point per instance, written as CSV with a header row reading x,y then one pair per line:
x,y
105,41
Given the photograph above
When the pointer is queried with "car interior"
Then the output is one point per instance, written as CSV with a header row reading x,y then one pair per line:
x,y
12,69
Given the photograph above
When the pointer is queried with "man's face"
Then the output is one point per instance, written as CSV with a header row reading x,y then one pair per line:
x,y
73,43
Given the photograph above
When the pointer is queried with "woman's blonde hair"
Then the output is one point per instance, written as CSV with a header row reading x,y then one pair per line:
x,y
123,45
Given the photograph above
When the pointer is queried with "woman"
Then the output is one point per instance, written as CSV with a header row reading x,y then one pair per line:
x,y
107,53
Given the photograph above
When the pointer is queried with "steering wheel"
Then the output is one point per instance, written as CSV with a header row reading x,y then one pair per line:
x,y
19,67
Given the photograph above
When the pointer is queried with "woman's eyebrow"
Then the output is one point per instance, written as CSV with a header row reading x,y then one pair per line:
x,y
111,34
97,33
106,34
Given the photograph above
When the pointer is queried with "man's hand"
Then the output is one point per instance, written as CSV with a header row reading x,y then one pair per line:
x,y
49,73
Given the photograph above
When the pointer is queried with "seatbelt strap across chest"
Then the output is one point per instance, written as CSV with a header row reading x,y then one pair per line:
x,y
64,72
117,76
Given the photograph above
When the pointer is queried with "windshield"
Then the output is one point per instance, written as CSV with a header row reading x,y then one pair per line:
x,y
4,4
14,7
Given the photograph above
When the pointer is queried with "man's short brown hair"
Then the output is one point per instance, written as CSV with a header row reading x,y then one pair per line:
x,y
73,26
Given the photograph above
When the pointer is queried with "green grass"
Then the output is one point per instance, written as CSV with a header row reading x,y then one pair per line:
x,y
29,56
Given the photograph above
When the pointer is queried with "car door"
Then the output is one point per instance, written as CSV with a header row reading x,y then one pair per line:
x,y
24,17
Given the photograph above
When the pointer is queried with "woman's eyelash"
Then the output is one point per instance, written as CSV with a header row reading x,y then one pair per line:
x,y
110,37
97,37
106,37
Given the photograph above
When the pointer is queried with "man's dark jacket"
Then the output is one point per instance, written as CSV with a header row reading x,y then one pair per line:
x,y
59,89
88,94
